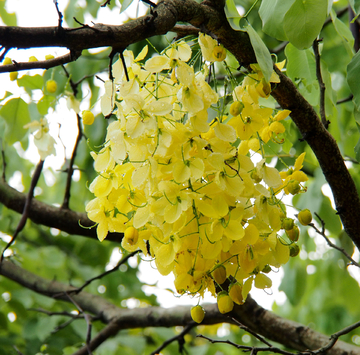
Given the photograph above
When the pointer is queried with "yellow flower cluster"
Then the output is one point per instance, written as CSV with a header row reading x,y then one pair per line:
x,y
182,187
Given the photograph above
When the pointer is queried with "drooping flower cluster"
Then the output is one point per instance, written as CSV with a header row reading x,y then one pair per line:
x,y
182,186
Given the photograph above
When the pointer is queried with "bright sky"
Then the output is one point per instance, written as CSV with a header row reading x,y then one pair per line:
x,y
43,13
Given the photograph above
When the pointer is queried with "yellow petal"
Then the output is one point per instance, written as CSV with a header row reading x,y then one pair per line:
x,y
225,132
157,64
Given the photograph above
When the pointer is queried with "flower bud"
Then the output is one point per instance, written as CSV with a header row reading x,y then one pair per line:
x,y
13,75
305,217
288,223
51,86
88,117
293,187
293,234
236,107
7,61
294,250
197,313
224,302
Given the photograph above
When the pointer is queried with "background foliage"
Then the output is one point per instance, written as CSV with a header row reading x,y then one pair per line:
x,y
321,289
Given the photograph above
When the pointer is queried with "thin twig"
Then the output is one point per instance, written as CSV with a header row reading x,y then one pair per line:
x,y
179,338
25,214
59,14
41,64
246,348
88,322
17,350
324,121
3,54
332,245
88,282
248,330
346,99
70,169
3,161
110,330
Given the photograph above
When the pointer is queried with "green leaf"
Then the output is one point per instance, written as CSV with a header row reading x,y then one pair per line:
x,y
304,20
301,64
357,147
262,53
272,14
44,103
8,19
31,82
344,32
232,14
125,4
16,114
355,5
353,70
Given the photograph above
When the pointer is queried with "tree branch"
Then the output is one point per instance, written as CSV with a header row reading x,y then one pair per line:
x,y
291,334
41,64
26,210
65,220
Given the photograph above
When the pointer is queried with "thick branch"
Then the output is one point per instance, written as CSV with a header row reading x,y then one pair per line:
x,y
291,334
66,220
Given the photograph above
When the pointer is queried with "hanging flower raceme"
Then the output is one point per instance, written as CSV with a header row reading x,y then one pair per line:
x,y
183,187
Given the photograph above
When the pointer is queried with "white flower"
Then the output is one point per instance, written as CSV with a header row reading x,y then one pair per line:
x,y
42,138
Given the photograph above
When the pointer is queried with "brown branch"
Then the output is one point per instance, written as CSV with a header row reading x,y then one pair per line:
x,y
320,80
247,348
98,277
257,336
179,338
70,169
291,334
25,213
3,162
185,30
41,64
109,331
54,217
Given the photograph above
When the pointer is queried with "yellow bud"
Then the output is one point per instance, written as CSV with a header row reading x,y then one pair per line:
x,y
197,313
294,250
255,176
293,234
131,235
288,223
224,302
235,293
266,269
88,117
7,61
293,187
236,107
13,75
51,86
33,59
305,217
219,274
49,56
